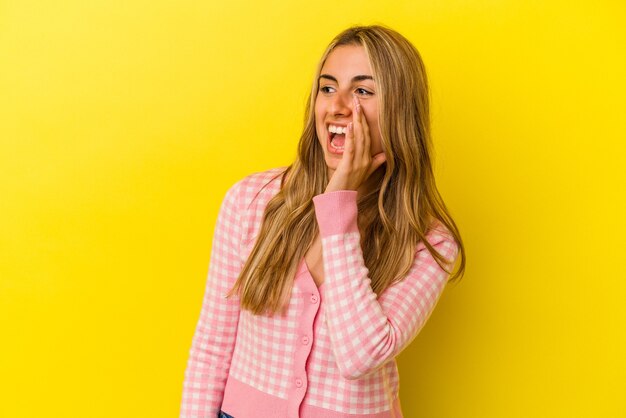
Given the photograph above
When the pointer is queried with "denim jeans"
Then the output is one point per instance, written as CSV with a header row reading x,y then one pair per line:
x,y
224,415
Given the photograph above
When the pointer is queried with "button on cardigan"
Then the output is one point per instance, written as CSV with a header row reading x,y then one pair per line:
x,y
333,354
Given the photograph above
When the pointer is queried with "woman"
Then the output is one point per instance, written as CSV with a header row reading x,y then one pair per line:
x,y
307,304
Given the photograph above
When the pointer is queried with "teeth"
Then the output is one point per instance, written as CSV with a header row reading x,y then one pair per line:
x,y
337,129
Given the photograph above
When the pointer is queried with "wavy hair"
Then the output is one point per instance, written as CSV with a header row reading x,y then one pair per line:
x,y
394,216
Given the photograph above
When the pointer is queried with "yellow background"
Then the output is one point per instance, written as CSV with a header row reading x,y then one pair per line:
x,y
122,124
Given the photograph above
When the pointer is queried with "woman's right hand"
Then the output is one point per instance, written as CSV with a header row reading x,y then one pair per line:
x,y
356,163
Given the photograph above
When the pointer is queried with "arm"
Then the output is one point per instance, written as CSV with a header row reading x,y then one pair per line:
x,y
366,331
216,330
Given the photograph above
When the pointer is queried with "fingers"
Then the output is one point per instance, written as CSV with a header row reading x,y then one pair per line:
x,y
363,132
357,127
348,150
357,152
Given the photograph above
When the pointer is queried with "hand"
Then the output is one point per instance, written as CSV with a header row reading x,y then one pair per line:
x,y
356,164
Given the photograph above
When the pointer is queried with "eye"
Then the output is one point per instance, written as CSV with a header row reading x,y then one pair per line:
x,y
363,92
326,89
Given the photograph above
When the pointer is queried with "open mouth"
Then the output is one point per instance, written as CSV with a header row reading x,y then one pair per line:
x,y
337,138
338,141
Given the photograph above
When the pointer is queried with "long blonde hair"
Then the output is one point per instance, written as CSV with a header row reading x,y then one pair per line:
x,y
393,217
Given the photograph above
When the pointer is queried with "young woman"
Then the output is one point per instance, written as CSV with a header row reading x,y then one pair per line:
x,y
322,272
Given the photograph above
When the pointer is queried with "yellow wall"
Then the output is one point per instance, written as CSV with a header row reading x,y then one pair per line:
x,y
122,124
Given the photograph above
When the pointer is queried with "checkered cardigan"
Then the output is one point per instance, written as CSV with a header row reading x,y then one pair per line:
x,y
332,355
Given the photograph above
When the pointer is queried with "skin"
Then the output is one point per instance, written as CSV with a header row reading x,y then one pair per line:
x,y
344,100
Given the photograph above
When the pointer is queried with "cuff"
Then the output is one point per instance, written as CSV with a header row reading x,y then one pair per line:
x,y
336,212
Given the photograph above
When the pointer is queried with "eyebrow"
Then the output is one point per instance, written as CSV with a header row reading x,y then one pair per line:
x,y
354,79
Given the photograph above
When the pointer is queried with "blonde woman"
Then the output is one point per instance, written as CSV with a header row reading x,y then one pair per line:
x,y
322,272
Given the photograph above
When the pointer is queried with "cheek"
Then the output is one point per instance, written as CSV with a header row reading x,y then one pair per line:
x,y
319,129
319,118
372,124
371,116
375,136
318,107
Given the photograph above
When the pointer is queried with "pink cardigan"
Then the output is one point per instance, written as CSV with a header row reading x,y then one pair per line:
x,y
332,355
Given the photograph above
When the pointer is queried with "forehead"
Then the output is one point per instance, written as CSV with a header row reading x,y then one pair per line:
x,y
348,60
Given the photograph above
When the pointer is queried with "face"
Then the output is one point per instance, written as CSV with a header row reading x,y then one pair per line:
x,y
345,72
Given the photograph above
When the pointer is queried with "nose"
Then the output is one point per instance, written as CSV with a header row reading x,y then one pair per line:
x,y
341,104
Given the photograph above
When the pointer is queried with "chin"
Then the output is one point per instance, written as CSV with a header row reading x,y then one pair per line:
x,y
331,163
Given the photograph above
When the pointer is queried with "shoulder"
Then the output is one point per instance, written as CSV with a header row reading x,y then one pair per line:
x,y
440,237
266,183
256,181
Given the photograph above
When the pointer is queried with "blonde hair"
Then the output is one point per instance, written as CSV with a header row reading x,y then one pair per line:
x,y
393,217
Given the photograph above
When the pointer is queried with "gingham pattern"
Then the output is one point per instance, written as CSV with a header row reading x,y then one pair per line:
x,y
355,335
367,331
216,329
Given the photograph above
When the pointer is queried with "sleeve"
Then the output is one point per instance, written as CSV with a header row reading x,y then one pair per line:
x,y
216,330
367,330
